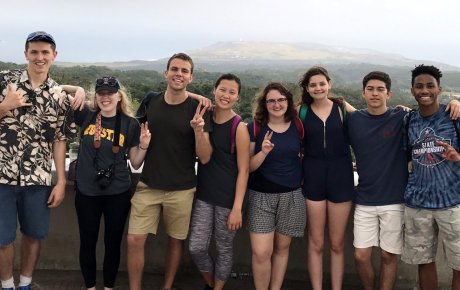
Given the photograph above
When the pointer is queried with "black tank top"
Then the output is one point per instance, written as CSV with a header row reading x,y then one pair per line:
x,y
217,178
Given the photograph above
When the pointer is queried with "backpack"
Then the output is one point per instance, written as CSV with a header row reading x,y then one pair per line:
x,y
304,110
406,134
141,116
297,122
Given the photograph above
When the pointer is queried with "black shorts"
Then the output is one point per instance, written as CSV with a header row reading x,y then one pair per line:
x,y
328,179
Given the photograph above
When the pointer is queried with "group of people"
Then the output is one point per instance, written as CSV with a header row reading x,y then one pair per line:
x,y
287,169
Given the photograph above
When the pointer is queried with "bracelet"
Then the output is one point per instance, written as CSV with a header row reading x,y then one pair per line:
x,y
140,147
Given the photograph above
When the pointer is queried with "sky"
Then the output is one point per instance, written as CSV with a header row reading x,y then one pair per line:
x,y
123,30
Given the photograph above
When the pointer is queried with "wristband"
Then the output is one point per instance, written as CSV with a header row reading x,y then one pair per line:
x,y
140,147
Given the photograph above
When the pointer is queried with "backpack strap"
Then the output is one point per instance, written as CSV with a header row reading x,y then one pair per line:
x,y
255,129
342,112
141,114
303,112
299,125
236,120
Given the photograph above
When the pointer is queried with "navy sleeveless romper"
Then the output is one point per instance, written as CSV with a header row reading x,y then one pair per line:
x,y
327,166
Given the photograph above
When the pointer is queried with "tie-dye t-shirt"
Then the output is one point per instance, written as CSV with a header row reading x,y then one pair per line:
x,y
434,182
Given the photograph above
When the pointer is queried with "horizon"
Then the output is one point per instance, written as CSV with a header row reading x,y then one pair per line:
x,y
113,31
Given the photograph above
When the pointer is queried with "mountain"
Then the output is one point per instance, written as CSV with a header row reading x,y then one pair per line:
x,y
241,56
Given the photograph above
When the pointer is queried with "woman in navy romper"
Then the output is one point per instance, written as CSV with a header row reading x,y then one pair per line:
x,y
327,172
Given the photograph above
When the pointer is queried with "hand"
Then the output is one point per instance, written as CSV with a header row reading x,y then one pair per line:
x,y
79,99
206,102
267,146
454,108
57,195
145,137
235,220
14,99
197,123
449,152
404,108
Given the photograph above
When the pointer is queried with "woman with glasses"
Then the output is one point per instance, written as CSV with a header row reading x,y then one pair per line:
x,y
327,173
109,134
276,206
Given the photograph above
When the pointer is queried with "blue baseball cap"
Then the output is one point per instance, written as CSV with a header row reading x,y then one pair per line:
x,y
41,36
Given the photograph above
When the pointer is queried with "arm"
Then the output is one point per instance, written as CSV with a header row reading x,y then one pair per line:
x,y
258,159
349,107
201,99
58,192
203,148
234,221
78,100
137,153
404,108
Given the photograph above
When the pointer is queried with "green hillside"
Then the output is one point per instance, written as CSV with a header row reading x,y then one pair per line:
x,y
346,81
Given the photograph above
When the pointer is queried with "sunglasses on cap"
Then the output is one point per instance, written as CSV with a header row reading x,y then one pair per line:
x,y
107,83
41,36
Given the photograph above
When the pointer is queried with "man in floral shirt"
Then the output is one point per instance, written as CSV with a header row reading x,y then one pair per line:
x,y
35,122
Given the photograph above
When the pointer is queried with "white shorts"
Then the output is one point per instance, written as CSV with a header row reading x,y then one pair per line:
x,y
379,226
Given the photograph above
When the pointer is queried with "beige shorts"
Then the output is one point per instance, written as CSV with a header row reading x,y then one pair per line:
x,y
148,204
379,226
422,227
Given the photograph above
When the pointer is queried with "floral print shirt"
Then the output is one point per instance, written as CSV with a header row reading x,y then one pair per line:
x,y
27,134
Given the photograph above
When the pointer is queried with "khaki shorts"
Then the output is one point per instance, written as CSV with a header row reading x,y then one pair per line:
x,y
147,205
379,226
422,227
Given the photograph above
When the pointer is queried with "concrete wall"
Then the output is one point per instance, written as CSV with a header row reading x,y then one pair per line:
x,y
60,251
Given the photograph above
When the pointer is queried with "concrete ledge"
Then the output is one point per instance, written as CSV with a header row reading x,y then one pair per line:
x,y
60,251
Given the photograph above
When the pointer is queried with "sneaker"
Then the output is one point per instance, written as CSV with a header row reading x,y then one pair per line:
x,y
28,287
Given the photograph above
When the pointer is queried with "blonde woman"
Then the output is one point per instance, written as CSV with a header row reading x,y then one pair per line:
x,y
109,133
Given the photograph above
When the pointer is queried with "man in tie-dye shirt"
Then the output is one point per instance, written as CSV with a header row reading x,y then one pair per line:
x,y
433,191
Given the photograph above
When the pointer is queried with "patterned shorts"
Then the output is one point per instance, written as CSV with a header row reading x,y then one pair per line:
x,y
284,213
422,227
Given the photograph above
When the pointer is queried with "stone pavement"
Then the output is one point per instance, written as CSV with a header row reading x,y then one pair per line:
x,y
72,280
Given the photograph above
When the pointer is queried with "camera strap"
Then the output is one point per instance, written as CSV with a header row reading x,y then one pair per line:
x,y
116,138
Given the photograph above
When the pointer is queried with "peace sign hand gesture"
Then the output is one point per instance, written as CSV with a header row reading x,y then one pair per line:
x,y
145,136
197,123
267,145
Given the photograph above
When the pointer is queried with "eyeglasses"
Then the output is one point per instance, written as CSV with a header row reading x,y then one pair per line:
x,y
41,36
107,81
271,102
